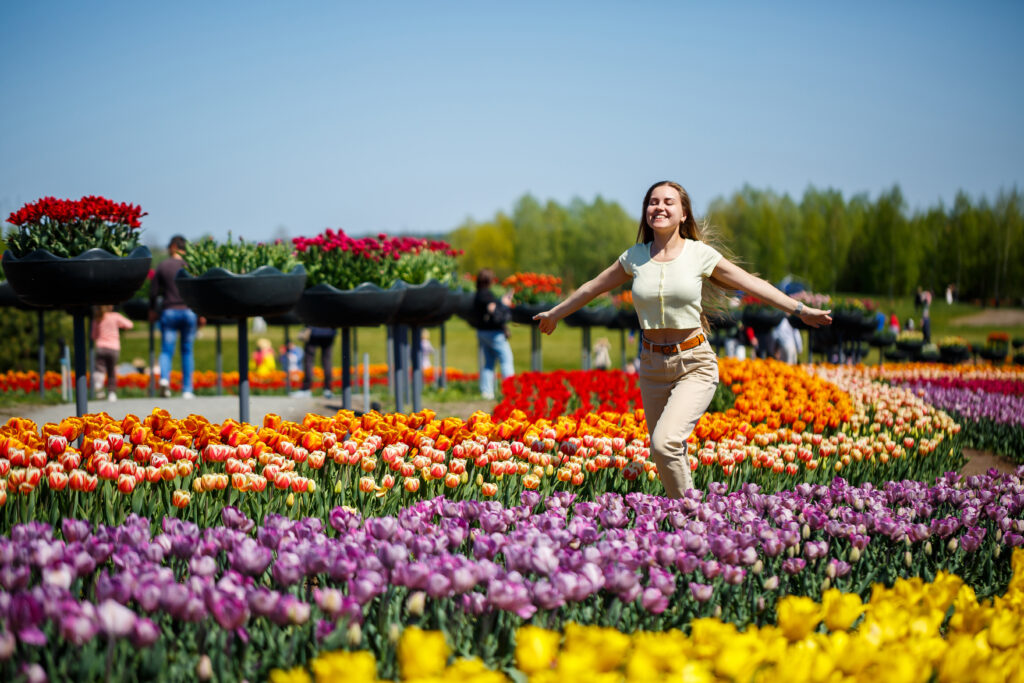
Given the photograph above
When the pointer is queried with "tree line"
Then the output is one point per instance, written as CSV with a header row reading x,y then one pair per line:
x,y
828,242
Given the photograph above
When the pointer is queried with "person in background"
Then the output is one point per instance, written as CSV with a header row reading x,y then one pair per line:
x,y
894,324
175,318
926,316
291,357
106,336
491,318
787,342
601,357
426,350
263,360
322,339
668,267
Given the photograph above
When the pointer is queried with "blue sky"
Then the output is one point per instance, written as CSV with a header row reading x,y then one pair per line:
x,y
269,118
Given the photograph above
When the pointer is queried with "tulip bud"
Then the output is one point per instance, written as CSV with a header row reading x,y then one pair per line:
x,y
416,603
394,633
953,545
908,559
826,584
337,487
760,605
928,548
354,635
717,614
996,550
757,567
854,554
204,669
290,500
771,583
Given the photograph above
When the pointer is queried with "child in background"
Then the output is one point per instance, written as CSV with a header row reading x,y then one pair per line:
x,y
263,360
106,335
601,357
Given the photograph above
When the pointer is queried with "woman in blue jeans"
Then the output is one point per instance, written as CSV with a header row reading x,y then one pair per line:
x,y
175,318
492,316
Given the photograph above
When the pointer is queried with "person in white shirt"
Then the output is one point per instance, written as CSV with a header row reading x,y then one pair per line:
x,y
669,265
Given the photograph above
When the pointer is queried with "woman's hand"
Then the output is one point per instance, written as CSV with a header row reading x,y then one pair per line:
x,y
815,317
547,322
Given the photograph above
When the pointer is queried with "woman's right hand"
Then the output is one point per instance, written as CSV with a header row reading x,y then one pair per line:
x,y
546,321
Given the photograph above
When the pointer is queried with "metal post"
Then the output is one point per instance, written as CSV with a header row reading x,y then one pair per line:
x,y
585,348
91,355
417,368
42,354
366,382
81,379
396,369
287,361
389,347
346,368
442,378
406,364
152,358
220,363
535,357
243,370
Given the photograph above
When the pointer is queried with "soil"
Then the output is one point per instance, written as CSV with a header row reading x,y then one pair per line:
x,y
980,462
992,317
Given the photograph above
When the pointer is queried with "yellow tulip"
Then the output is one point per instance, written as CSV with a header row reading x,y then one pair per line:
x,y
797,616
357,667
422,653
536,648
841,609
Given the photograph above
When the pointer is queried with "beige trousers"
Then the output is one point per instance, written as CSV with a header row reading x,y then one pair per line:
x,y
676,390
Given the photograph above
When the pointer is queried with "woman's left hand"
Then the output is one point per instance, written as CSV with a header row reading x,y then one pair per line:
x,y
816,317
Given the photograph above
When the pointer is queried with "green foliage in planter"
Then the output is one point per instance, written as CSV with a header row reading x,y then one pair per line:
x,y
20,332
237,256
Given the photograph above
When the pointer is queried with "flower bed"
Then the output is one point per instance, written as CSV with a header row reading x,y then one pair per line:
x,y
988,400
180,548
633,562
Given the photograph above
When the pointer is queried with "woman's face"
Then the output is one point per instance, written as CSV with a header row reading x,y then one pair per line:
x,y
664,209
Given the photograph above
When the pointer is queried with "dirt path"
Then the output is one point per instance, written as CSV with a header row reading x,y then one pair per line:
x,y
979,462
992,317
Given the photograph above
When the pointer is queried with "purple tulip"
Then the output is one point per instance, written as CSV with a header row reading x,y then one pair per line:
x,y
146,633
75,529
794,565
701,592
115,620
233,518
288,569
654,601
230,612
290,611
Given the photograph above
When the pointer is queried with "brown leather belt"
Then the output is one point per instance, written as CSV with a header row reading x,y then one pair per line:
x,y
675,348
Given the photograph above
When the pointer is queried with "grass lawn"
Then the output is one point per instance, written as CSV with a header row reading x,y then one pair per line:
x,y
561,350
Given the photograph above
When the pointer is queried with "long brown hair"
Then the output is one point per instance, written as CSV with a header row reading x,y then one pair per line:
x,y
716,297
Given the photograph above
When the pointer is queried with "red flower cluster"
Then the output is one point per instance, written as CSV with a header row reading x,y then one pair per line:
x,y
377,249
65,211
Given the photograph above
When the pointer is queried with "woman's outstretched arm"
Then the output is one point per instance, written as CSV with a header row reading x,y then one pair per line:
x,y
613,276
731,275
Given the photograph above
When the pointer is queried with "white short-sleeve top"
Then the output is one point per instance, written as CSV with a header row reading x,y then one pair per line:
x,y
667,294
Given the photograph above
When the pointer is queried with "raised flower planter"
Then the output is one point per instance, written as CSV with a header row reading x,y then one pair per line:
x,y
74,254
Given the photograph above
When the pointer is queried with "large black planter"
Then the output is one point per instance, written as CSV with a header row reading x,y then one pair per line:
x,y
523,313
93,278
954,354
219,293
8,299
364,306
285,319
624,319
762,320
420,302
591,317
136,309
444,311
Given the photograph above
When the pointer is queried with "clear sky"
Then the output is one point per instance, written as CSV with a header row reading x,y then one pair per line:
x,y
270,118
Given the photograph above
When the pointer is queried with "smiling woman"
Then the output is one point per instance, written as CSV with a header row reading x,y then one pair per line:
x,y
678,371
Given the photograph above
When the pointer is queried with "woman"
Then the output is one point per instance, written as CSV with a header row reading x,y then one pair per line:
x,y
678,368
491,321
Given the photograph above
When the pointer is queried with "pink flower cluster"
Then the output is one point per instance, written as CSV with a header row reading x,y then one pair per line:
x,y
375,248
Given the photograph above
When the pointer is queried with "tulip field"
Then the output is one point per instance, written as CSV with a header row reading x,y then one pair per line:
x,y
830,538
